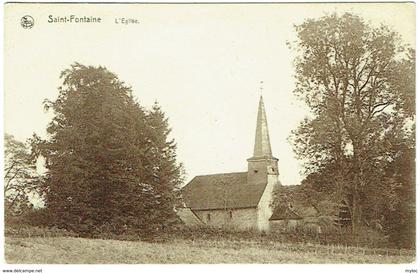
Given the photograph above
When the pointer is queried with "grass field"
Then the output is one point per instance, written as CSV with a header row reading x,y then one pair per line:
x,y
69,250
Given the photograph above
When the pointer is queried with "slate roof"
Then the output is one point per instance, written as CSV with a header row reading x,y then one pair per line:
x,y
284,213
222,191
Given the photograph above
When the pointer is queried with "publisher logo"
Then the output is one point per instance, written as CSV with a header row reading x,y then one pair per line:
x,y
27,22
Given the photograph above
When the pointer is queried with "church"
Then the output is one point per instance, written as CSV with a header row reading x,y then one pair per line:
x,y
236,200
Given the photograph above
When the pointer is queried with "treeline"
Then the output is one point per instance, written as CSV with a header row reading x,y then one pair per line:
x,y
358,144
110,163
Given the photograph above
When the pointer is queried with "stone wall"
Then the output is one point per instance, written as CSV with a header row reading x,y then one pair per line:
x,y
260,168
188,217
265,211
236,218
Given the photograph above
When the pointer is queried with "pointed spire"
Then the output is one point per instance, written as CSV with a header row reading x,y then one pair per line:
x,y
262,146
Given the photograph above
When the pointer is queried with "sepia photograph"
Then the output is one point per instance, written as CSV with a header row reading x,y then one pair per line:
x,y
209,133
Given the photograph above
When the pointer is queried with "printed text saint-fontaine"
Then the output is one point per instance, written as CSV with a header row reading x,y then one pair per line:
x,y
73,19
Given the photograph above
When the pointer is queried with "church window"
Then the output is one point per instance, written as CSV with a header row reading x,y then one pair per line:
x,y
208,217
230,214
255,171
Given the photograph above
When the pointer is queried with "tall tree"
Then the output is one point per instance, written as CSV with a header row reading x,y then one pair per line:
x,y
20,177
164,172
100,170
357,81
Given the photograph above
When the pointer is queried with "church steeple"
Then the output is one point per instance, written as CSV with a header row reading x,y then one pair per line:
x,y
262,146
262,164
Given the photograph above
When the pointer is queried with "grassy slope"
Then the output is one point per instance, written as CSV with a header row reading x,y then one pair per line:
x,y
60,250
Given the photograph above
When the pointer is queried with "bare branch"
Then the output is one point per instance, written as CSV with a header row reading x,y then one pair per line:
x,y
383,105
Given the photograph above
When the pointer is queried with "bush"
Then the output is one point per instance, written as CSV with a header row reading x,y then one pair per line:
x,y
213,233
34,217
366,237
33,231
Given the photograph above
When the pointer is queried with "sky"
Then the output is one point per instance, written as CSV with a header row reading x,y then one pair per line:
x,y
202,63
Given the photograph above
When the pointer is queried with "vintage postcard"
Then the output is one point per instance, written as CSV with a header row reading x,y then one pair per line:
x,y
209,133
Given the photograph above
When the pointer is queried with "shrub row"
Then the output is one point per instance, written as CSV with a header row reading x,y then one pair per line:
x,y
33,231
365,238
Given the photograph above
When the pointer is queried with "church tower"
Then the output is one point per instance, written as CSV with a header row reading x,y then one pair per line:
x,y
262,166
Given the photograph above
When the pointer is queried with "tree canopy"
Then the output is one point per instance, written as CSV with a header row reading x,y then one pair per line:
x,y
358,81
110,165
20,177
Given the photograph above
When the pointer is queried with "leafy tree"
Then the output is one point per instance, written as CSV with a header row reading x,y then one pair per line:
x,y
103,173
399,198
400,219
358,82
20,177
